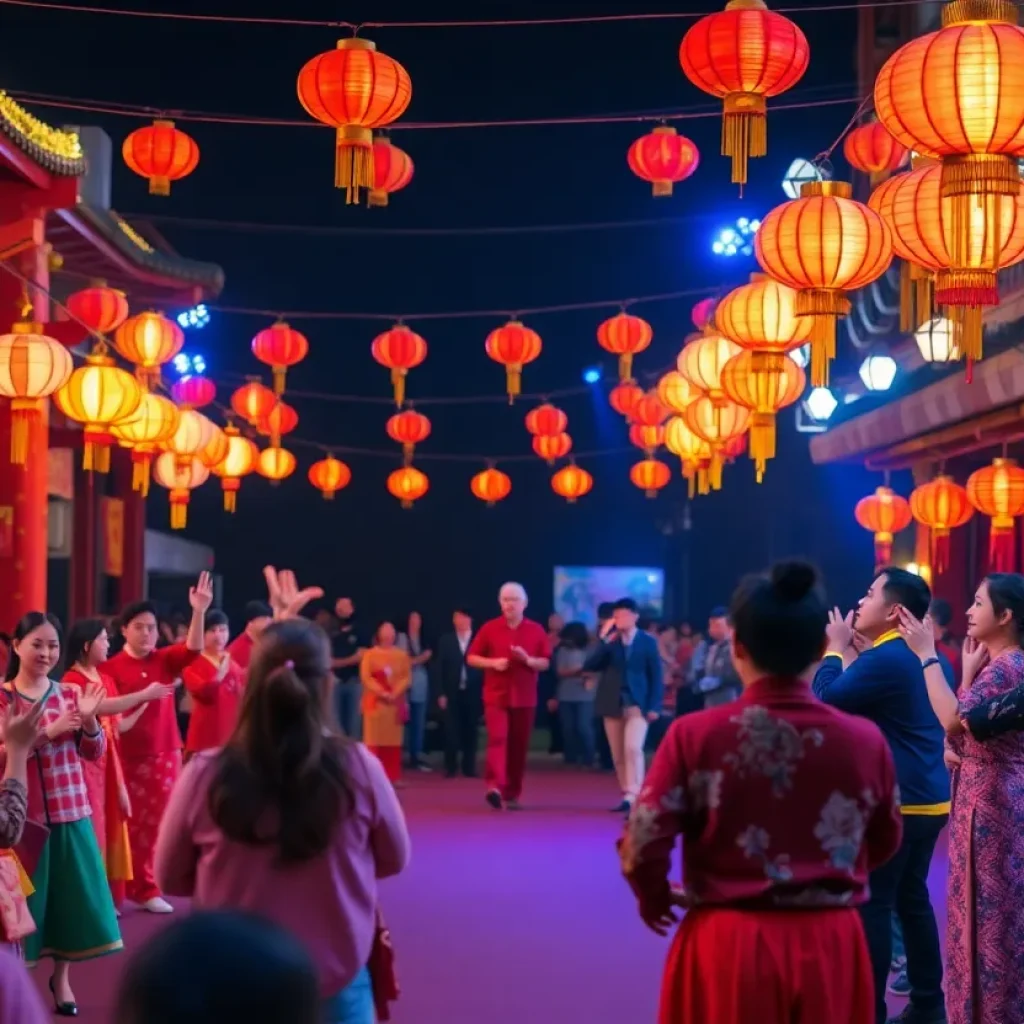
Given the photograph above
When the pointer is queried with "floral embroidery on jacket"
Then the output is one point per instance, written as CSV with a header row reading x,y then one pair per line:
x,y
840,830
754,842
648,823
705,790
770,747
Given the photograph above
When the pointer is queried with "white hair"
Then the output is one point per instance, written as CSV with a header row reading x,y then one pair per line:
x,y
518,588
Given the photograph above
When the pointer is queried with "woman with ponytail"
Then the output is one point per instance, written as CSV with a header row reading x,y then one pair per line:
x,y
290,819
785,804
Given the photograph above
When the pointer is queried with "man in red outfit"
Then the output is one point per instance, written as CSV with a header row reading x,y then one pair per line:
x,y
512,651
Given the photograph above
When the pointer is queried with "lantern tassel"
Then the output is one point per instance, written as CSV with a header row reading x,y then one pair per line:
x,y
353,161
625,367
940,550
825,305
691,484
179,512
279,372
230,499
398,383
883,549
703,480
762,441
96,456
21,420
406,503
140,472
513,382
715,472
1000,548
744,131
329,495
159,186
377,197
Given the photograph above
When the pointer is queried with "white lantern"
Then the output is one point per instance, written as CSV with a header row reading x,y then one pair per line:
x,y
821,403
935,340
878,372
800,172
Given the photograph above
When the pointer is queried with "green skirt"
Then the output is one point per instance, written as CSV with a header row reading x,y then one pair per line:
x,y
72,907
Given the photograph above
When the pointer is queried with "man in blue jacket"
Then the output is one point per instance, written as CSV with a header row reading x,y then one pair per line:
x,y
886,685
633,657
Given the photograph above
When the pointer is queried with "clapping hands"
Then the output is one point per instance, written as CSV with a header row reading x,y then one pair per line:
x,y
89,701
23,728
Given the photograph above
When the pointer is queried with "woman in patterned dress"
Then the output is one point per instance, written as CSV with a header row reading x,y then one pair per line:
x,y
985,934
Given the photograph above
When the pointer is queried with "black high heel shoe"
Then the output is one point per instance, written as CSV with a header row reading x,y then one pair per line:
x,y
62,1009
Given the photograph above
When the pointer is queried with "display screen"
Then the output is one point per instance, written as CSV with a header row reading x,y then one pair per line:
x,y
579,589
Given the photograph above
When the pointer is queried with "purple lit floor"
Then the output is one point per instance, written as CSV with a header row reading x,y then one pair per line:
x,y
502,918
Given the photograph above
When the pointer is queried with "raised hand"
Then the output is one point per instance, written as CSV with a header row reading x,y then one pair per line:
x,y
200,597
839,630
975,657
23,728
918,633
89,701
283,593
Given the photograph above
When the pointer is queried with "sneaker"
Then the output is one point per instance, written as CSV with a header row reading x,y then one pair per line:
x,y
912,1015
422,766
622,807
493,797
900,984
899,963
158,905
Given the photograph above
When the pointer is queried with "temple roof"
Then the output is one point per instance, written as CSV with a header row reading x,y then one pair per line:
x,y
58,151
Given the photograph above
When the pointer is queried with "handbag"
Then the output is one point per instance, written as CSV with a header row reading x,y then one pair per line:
x,y
29,848
381,965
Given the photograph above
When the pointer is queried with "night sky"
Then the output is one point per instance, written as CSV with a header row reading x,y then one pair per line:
x,y
451,549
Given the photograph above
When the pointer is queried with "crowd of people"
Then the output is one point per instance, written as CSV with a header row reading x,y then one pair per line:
x,y
810,760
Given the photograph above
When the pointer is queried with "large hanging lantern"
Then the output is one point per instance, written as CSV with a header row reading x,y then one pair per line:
x,y
194,392
145,432
32,367
148,340
884,514
664,158
701,362
408,485
253,402
408,428
491,486
355,90
694,453
649,411
997,491
281,420
392,171
546,420
275,464
180,479
650,476
97,395
571,483
648,438
764,392
161,153
870,149
193,433
280,346
623,398
675,392
513,345
744,55
941,505
624,335
718,423
963,256
239,460
100,308
399,349
761,317
552,447
216,449
329,476
823,244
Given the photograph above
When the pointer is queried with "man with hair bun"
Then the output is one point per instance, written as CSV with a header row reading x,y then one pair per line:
x,y
512,651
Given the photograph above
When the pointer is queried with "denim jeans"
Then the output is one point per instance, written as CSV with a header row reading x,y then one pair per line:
x,y
347,698
353,1004
899,950
415,729
577,718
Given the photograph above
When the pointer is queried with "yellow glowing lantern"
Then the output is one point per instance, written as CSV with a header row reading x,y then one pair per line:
x,y
145,432
240,460
180,479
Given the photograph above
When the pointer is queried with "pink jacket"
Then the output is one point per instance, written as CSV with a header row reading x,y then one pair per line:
x,y
328,903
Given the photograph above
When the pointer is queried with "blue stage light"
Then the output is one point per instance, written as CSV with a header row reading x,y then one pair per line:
x,y
737,240
194,319
592,374
187,365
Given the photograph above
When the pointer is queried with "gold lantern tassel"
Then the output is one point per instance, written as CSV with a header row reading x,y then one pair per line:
x,y
906,299
703,481
23,411
279,372
715,471
625,367
230,496
513,381
398,383
762,442
377,197
691,484
179,510
407,450
329,495
744,126
159,185
406,503
140,472
353,161
825,305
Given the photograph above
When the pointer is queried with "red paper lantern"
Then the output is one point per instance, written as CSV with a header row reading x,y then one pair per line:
x,y
161,153
253,401
546,420
623,398
997,491
392,171
571,482
329,476
664,158
409,428
354,89
552,447
649,411
941,505
399,349
279,346
870,149
281,420
650,476
491,486
194,392
100,308
648,438
624,336
884,514
149,340
408,484
513,345
744,55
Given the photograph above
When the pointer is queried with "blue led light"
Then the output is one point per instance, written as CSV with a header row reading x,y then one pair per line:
x,y
187,365
592,374
194,319
737,240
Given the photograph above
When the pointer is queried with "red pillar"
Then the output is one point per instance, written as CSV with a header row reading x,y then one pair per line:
x,y
133,572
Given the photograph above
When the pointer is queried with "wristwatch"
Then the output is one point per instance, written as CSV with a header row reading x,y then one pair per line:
x,y
928,662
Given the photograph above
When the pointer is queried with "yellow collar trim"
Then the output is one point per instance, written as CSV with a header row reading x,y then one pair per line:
x,y
893,634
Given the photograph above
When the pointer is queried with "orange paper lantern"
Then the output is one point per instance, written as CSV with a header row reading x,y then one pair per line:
x,y
193,433
32,367
216,448
239,460
150,427
409,428
329,476
675,392
408,484
701,362
279,346
253,402
354,89
941,505
275,464
997,491
161,153
650,476
181,479
513,345
624,336
623,398
551,447
546,420
664,158
649,411
491,486
281,420
399,349
647,438
100,308
823,244
392,171
149,340
694,453
743,55
718,423
884,514
870,149
571,483
194,392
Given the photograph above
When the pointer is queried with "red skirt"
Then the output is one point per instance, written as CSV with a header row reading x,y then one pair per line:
x,y
768,967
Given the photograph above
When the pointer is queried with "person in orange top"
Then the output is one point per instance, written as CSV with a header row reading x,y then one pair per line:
x,y
215,681
257,617
386,673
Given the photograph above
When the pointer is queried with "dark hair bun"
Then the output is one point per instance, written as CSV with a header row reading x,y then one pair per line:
x,y
289,694
793,581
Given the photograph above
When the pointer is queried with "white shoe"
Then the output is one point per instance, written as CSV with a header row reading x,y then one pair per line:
x,y
158,905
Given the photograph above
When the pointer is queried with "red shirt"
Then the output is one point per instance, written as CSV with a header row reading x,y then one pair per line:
x,y
516,687
781,800
240,649
156,732
215,702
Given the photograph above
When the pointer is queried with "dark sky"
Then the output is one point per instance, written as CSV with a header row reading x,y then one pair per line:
x,y
450,548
